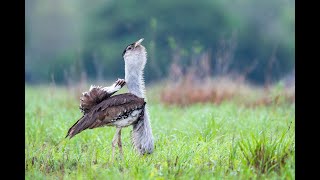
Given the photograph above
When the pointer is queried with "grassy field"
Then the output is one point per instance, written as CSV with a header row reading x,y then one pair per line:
x,y
201,141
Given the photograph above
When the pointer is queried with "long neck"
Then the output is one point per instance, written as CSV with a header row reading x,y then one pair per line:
x,y
135,81
142,137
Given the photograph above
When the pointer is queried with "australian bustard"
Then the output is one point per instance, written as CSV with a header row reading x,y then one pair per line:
x,y
100,108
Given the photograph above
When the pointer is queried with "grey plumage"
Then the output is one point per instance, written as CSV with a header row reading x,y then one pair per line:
x,y
100,108
135,61
141,135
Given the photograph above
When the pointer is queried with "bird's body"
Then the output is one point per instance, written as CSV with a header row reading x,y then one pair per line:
x,y
100,108
120,111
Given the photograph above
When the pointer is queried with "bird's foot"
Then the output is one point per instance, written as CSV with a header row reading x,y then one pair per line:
x,y
116,157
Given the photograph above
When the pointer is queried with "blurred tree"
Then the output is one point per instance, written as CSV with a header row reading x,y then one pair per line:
x,y
98,31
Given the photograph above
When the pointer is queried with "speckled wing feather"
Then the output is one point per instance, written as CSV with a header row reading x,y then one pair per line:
x,y
93,97
107,111
97,94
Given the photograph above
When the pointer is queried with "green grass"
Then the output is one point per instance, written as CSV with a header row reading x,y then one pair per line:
x,y
202,141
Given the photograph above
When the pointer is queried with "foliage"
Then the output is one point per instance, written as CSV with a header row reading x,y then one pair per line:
x,y
87,31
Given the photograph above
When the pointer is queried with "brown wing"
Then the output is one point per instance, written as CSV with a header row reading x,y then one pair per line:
x,y
106,112
97,94
91,98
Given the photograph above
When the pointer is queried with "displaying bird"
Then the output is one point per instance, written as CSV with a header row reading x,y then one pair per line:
x,y
100,108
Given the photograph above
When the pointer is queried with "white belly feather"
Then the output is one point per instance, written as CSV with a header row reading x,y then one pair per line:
x,y
129,120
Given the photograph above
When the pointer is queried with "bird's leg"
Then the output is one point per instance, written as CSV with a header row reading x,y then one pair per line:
x,y
115,141
120,143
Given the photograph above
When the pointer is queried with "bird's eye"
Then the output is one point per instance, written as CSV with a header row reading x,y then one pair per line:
x,y
129,48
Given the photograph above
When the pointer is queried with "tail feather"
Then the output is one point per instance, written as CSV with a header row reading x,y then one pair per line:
x,y
94,96
79,126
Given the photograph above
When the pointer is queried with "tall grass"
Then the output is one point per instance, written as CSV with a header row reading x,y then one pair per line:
x,y
220,89
266,155
201,141
209,78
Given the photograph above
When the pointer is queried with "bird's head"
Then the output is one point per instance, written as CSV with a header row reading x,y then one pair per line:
x,y
135,55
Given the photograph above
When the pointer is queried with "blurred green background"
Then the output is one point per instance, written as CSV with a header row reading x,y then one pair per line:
x,y
67,40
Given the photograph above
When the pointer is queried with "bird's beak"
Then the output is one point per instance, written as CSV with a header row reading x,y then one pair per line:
x,y
138,42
